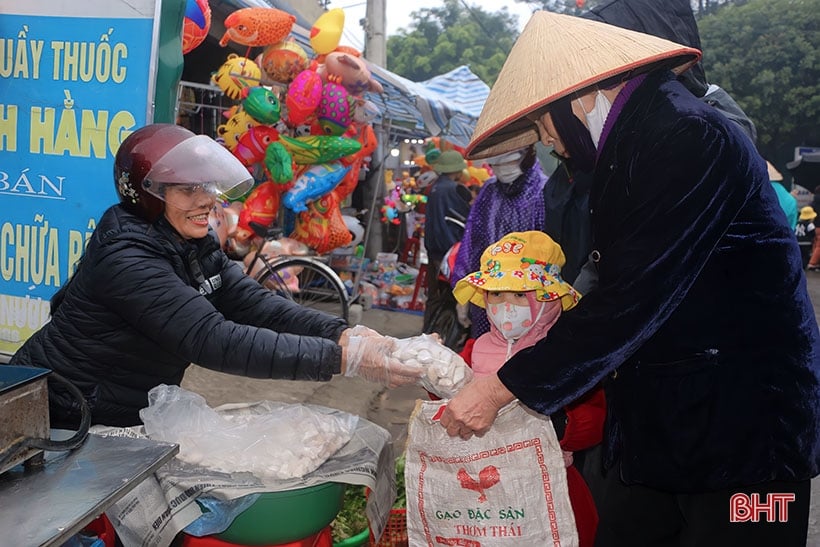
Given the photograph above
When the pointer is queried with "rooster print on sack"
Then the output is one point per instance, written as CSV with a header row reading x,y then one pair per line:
x,y
487,478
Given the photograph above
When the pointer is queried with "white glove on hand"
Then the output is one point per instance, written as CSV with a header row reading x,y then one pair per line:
x,y
370,357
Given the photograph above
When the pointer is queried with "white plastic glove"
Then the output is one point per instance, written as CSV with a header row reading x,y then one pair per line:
x,y
370,357
444,372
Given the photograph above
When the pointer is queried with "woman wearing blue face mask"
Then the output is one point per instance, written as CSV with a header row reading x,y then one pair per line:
x,y
511,202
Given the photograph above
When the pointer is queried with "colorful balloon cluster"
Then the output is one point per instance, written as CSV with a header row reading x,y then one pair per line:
x,y
302,128
196,24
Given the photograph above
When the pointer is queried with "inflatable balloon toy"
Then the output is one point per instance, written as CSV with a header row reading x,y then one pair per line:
x,y
283,61
366,137
257,26
196,24
236,126
350,71
335,110
251,146
413,199
235,74
261,206
321,226
279,163
262,104
326,31
319,148
355,228
317,181
389,212
366,112
304,95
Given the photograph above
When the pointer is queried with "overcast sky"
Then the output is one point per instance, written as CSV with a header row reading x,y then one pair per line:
x,y
398,14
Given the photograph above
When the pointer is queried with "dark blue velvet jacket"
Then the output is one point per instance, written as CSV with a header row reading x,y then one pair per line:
x,y
701,327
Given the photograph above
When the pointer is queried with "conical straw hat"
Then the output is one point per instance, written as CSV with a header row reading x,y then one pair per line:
x,y
555,56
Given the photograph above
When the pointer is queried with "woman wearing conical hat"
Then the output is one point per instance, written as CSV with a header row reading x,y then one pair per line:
x,y
701,328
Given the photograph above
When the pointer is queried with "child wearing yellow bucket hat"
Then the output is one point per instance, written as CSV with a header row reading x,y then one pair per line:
x,y
520,286
527,264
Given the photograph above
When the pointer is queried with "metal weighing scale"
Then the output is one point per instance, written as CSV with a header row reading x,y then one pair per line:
x,y
23,413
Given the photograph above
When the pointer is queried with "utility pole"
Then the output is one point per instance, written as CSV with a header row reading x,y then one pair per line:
x,y
375,51
374,23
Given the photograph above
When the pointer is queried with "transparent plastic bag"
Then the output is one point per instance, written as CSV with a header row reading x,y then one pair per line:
x,y
444,371
289,440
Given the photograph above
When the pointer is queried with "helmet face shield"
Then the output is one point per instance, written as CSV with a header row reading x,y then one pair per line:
x,y
197,167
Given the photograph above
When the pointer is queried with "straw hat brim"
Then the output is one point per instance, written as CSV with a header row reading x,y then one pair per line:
x,y
774,174
559,55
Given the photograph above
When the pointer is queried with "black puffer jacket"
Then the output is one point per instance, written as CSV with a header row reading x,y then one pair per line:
x,y
137,313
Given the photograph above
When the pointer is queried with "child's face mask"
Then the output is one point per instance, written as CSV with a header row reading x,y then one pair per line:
x,y
512,320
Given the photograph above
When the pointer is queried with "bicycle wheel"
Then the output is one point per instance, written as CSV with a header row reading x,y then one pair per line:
x,y
307,282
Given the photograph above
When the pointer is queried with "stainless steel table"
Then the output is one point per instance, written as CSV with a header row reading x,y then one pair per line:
x,y
49,504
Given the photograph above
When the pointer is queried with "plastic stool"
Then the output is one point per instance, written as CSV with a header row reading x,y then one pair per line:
x,y
321,539
421,283
410,251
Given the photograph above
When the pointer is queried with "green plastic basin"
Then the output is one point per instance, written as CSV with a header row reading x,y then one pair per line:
x,y
283,517
360,539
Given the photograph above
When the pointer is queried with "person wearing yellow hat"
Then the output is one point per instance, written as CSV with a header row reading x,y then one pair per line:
x,y
520,289
713,384
806,233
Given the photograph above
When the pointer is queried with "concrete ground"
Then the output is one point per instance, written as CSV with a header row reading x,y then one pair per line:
x,y
388,408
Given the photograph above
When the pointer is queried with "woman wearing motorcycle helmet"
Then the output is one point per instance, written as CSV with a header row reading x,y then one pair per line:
x,y
154,292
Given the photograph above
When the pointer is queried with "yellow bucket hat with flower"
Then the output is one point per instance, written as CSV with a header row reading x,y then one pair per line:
x,y
520,262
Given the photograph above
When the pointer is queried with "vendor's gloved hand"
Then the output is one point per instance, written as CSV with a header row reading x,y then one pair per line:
x,y
369,357
358,330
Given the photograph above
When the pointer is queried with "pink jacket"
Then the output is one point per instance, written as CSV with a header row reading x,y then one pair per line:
x,y
491,349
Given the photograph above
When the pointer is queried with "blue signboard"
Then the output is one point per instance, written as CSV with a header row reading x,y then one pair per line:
x,y
72,87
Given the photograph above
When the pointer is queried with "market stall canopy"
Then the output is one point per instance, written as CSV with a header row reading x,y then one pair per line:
x,y
447,105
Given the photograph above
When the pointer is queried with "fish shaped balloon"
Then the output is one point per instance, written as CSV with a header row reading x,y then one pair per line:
x,y
335,110
250,147
319,148
313,184
257,26
262,104
304,95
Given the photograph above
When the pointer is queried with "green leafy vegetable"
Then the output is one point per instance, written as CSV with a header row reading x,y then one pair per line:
x,y
352,519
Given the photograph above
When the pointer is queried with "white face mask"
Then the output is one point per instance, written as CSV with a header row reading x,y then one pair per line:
x,y
508,172
596,118
511,320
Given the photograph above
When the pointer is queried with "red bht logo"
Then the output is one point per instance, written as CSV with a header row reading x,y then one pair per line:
x,y
746,508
